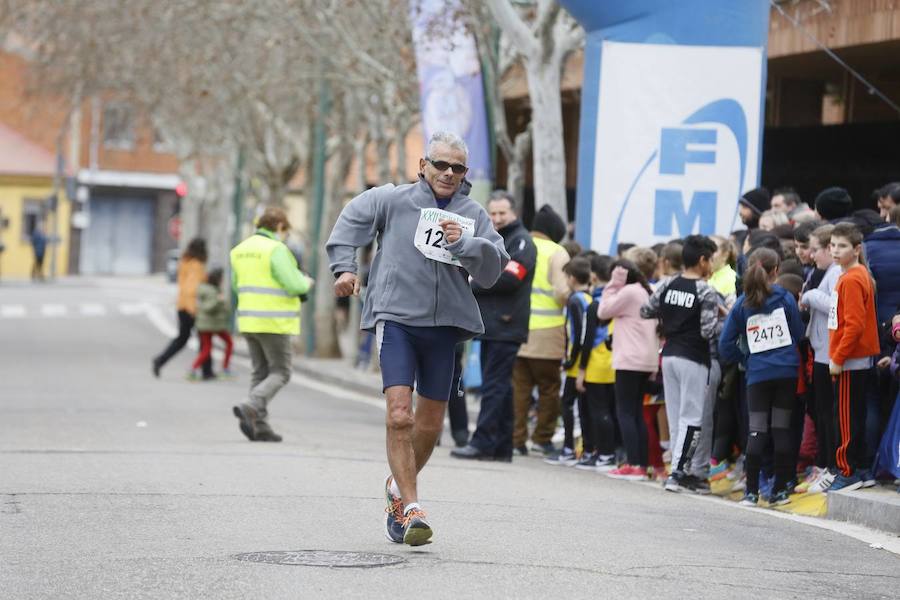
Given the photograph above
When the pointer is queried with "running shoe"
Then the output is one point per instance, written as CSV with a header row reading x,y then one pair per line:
x,y
416,530
606,463
740,485
718,469
750,499
628,472
868,479
673,482
588,461
820,485
846,482
811,478
547,449
736,473
193,376
565,457
697,485
780,499
393,522
226,374
520,450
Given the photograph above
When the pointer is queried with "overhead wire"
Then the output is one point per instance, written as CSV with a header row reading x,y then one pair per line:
x,y
871,88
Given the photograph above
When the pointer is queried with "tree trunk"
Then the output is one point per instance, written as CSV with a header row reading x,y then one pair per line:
x,y
547,136
326,330
515,169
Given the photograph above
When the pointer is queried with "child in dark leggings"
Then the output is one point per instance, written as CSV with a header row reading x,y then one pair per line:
x,y
763,331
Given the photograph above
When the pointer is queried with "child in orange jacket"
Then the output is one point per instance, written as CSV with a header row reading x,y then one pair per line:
x,y
853,341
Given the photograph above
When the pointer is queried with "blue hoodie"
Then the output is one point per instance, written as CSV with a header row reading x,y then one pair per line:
x,y
779,363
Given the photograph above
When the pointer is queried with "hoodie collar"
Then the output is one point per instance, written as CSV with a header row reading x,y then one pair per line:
x,y
461,192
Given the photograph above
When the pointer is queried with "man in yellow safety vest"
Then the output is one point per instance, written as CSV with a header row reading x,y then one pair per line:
x,y
268,284
538,361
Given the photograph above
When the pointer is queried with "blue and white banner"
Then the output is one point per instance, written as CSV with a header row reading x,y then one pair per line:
x,y
671,117
451,90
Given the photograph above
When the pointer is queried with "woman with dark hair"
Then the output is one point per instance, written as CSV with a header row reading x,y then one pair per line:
x,y
763,331
191,273
634,357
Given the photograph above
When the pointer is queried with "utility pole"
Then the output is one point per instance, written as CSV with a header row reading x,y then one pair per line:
x,y
237,206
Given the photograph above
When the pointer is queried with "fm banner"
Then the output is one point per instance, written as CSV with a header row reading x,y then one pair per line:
x,y
671,118
451,90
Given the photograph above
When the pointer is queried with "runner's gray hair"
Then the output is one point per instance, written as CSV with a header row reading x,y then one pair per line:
x,y
448,139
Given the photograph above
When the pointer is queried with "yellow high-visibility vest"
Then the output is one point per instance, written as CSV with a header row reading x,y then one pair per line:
x,y
546,312
263,305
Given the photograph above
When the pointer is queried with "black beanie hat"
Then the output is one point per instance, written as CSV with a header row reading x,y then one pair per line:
x,y
834,203
549,223
757,199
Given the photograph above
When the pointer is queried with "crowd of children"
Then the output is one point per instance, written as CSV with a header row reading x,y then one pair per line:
x,y
776,370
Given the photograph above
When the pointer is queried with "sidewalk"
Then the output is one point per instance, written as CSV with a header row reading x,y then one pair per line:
x,y
878,507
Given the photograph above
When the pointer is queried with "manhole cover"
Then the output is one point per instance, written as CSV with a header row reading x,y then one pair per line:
x,y
322,558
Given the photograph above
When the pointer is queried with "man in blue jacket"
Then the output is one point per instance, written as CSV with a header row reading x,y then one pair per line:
x,y
432,239
505,309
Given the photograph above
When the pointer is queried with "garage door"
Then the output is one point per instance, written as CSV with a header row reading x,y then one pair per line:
x,y
119,239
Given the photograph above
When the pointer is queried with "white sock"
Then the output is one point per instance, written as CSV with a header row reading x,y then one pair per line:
x,y
411,506
394,489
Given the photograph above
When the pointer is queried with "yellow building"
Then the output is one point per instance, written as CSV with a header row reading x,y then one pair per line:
x,y
26,184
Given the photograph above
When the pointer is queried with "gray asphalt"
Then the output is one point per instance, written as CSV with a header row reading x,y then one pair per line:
x,y
116,485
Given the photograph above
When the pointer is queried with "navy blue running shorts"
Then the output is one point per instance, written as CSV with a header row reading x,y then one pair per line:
x,y
421,355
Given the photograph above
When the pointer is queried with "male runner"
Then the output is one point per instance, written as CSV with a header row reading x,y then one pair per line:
x,y
431,239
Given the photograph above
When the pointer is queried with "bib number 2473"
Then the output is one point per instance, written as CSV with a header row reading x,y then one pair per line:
x,y
430,238
768,331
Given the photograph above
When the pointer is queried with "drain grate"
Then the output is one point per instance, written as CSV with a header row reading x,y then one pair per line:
x,y
322,558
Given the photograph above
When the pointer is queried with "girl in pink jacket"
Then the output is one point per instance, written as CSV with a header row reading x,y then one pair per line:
x,y
635,349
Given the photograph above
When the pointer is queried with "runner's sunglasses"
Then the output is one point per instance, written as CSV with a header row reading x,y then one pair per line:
x,y
443,165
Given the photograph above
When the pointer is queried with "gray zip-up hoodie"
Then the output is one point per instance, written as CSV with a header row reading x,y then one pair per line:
x,y
405,286
819,302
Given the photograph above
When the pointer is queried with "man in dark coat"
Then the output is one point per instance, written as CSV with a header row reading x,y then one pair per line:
x,y
505,309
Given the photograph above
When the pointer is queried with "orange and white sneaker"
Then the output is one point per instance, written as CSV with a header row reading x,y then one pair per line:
x,y
393,522
416,530
629,472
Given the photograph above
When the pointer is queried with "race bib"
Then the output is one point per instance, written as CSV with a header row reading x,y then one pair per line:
x,y
430,237
832,311
767,332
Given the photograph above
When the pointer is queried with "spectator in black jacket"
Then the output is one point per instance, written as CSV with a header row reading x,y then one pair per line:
x,y
505,309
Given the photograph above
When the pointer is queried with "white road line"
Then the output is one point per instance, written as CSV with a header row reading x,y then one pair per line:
x,y
54,310
873,537
12,311
130,309
92,310
164,325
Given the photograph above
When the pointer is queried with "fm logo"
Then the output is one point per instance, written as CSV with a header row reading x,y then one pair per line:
x,y
678,148
691,142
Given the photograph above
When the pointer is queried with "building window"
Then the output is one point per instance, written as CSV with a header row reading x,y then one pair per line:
x,y
118,126
32,216
160,143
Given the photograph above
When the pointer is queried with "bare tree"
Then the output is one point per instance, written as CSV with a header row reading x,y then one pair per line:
x,y
543,35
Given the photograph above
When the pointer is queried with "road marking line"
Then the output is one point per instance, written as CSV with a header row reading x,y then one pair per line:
x,y
873,537
12,311
92,310
133,309
54,310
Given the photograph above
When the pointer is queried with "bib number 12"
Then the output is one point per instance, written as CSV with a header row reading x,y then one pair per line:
x,y
438,235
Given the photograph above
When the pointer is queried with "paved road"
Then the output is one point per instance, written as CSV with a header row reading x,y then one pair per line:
x,y
117,485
